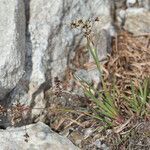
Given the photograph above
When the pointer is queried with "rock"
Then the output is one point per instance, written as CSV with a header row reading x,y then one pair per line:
x,y
51,36
144,3
99,145
139,3
95,76
38,137
120,16
12,44
83,75
137,21
90,77
53,40
130,3
88,132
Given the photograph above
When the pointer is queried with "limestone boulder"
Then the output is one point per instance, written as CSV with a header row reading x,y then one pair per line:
x,y
53,41
33,137
52,38
12,44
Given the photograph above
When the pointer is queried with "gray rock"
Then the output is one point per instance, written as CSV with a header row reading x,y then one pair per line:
x,y
120,16
83,75
90,77
137,21
12,44
144,3
130,3
138,3
41,137
51,36
52,39
99,145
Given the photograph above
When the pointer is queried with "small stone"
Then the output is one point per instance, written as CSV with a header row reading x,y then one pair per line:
x,y
144,3
137,21
83,75
98,143
130,3
88,132
120,16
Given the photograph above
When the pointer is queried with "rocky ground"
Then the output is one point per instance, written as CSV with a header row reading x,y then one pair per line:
x,y
43,44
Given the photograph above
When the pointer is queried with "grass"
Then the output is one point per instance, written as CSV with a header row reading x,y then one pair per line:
x,y
105,100
107,109
139,100
120,107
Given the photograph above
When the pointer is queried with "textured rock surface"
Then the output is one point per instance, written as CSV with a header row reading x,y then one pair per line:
x,y
131,3
51,36
138,3
144,3
137,21
54,43
41,137
12,44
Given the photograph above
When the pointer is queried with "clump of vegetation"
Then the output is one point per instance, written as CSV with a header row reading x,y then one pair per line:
x,y
139,99
123,101
107,100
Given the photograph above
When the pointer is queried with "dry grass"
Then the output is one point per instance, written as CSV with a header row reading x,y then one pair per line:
x,y
130,59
